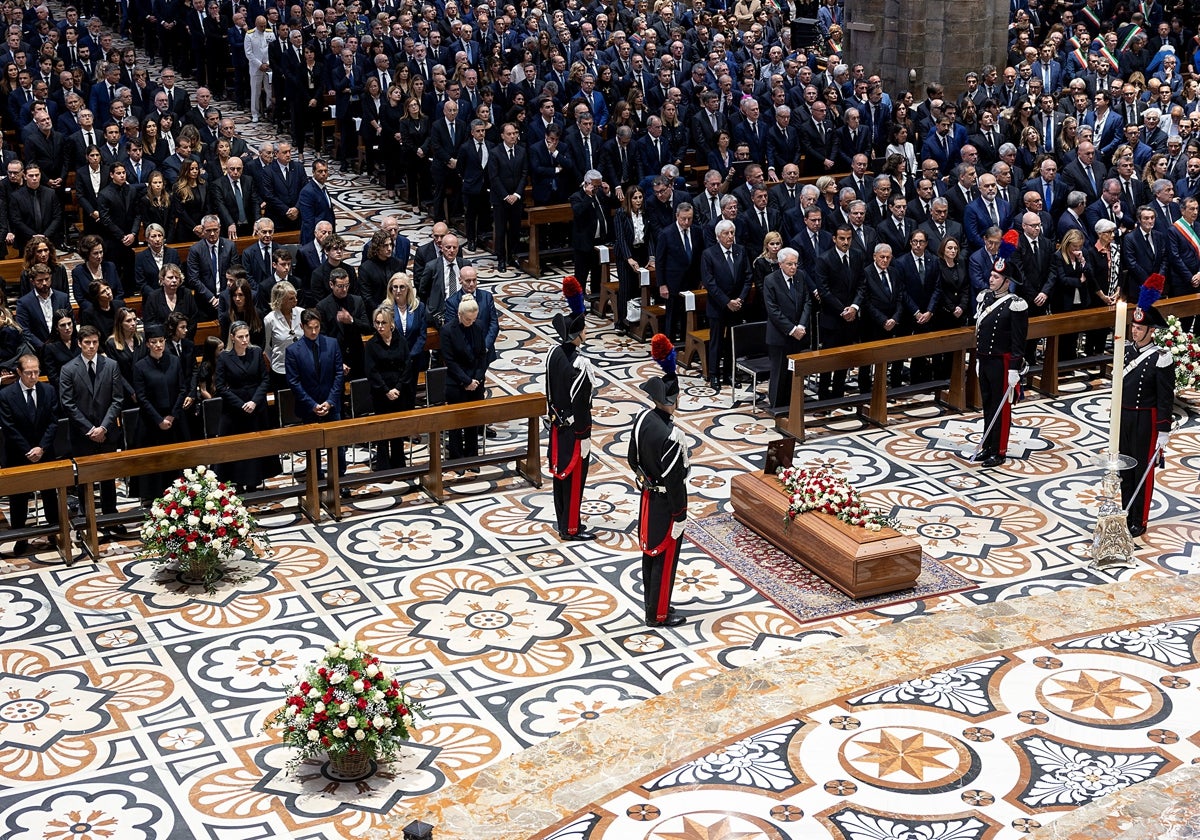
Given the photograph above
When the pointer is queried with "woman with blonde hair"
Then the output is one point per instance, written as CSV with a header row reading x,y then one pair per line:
x,y
409,317
1069,276
281,328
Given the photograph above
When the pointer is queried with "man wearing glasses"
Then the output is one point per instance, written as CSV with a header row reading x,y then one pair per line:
x,y
207,262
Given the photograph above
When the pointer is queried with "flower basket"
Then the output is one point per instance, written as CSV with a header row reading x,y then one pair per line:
x,y
198,526
349,706
1186,352
350,765
826,490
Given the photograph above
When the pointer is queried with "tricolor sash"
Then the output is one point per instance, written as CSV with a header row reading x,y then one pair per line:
x,y
1189,233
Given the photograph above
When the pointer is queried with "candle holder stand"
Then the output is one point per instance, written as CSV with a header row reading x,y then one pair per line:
x,y
1112,545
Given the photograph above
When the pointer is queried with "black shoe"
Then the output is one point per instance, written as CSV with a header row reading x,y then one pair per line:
x,y
582,535
117,530
1137,530
992,461
502,266
20,548
669,621
715,384
344,492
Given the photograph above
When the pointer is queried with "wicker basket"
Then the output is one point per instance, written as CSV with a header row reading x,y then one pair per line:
x,y
350,765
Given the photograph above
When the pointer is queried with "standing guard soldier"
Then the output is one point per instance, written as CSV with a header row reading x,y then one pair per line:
x,y
1148,392
1000,329
570,384
659,459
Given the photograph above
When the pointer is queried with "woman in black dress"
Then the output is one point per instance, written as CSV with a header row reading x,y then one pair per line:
x,y
169,297
408,316
191,196
61,347
125,348
372,127
955,303
237,305
241,381
161,390
387,364
98,308
95,268
156,206
414,131
389,139
634,241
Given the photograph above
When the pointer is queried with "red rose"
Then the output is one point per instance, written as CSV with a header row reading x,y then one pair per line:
x,y
362,702
342,725
324,740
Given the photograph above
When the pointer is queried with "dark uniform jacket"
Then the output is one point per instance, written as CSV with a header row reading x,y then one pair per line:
x,y
659,459
569,388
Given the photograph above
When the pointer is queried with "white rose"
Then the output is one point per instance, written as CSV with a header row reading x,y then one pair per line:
x,y
352,722
318,707
331,650
360,735
358,686
201,470
372,670
337,677
345,707
377,721
338,733
291,711
313,735
191,546
312,692
376,695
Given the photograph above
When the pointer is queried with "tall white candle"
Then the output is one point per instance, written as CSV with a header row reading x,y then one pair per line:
x,y
1118,381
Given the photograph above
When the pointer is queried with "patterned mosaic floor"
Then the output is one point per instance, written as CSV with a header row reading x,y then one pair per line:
x,y
133,705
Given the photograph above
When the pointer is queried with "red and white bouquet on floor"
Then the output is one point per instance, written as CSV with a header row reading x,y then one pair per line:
x,y
348,702
1185,350
825,490
201,525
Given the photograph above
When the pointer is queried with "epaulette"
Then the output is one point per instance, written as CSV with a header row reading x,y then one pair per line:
x,y
1018,305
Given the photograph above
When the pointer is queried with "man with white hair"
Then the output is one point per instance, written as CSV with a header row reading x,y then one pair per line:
x,y
590,206
725,273
257,48
789,311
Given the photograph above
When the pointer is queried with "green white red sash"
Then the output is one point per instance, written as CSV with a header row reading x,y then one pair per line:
x,y
1189,233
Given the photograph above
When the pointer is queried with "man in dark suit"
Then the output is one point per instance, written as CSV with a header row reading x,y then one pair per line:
x,y
29,421
439,279
1083,173
258,259
310,257
551,170
1072,218
1110,205
858,180
315,373
725,273
1047,184
207,262
1183,265
984,212
811,241
884,305
783,143
620,161
591,226
654,150
314,203
852,140
1034,258
707,123
583,144
92,393
507,174
789,312
816,141
1166,210
918,273
1144,251
235,200
281,184
677,261
896,229
839,282
940,226
441,150
119,219
34,209
345,319
760,219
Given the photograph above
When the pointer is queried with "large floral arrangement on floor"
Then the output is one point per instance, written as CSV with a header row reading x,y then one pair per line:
x,y
1185,349
825,490
200,524
347,702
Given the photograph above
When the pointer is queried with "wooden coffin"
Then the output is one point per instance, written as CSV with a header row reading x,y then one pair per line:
x,y
858,561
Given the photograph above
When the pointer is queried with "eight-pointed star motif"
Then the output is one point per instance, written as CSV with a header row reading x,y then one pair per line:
x,y
894,753
722,829
1104,695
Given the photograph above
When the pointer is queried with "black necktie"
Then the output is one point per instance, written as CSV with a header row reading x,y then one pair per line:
x,y
316,354
887,284
29,401
921,268
92,370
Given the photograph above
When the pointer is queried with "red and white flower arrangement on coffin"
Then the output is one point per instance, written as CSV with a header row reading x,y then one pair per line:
x,y
347,705
1186,352
200,524
825,490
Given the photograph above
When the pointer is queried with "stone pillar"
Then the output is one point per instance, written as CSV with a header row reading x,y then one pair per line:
x,y
940,39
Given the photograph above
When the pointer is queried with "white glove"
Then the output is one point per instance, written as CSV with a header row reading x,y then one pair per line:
x,y
585,448
677,529
1163,439
1013,378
